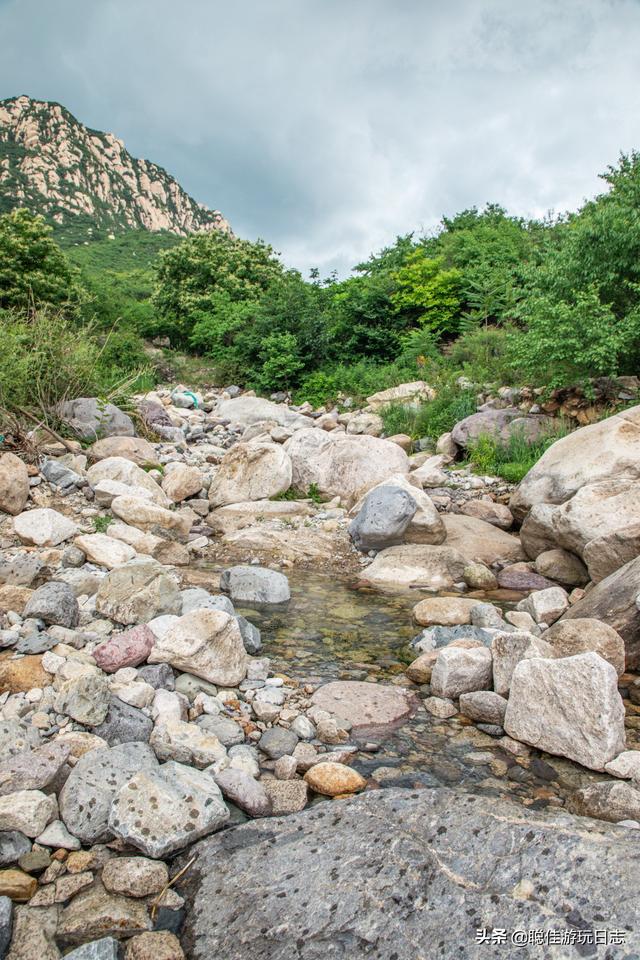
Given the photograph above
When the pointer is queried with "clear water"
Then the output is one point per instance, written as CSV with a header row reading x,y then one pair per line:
x,y
332,630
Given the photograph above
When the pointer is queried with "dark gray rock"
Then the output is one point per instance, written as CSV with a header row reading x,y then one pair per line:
x,y
23,570
36,643
250,636
124,724
435,637
86,798
228,732
60,475
6,924
257,585
382,520
401,874
158,675
104,949
277,742
92,419
12,845
55,603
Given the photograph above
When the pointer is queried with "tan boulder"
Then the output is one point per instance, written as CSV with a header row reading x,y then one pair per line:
x,y
569,637
365,704
145,514
104,550
300,543
496,513
235,516
562,566
206,643
137,592
136,449
181,481
413,564
14,484
478,541
444,611
251,471
405,394
334,779
13,597
44,527
126,471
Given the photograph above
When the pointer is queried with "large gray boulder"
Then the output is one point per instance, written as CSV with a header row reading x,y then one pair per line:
x,y
401,874
383,518
501,424
608,450
91,419
613,601
253,584
249,410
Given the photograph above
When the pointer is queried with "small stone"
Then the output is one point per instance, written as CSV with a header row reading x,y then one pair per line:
x,y
85,698
303,728
135,876
160,945
443,611
483,706
70,885
94,913
439,707
334,779
57,836
126,649
277,742
17,885
243,790
626,766
28,811
285,767
124,724
186,743
287,796
35,861
458,671
477,576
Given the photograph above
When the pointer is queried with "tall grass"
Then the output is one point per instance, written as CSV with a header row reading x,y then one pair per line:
x,y
513,458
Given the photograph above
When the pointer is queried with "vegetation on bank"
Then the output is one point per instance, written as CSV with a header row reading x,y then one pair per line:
x,y
488,297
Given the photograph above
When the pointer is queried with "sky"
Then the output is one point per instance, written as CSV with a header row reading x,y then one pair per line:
x,y
328,127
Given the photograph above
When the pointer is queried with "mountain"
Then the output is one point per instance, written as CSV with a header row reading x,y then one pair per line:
x,y
85,182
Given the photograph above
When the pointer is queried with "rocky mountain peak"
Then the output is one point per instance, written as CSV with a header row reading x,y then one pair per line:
x,y
78,177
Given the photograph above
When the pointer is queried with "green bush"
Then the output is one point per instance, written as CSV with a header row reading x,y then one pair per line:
x,y
431,419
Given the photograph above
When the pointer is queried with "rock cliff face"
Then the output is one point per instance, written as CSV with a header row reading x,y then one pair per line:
x,y
81,178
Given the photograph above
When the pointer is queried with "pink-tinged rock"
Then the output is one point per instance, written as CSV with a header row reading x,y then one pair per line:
x,y
126,649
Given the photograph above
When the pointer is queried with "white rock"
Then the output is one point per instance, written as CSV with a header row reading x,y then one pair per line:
x,y
44,527
104,550
626,766
186,743
459,670
251,471
206,643
28,811
545,606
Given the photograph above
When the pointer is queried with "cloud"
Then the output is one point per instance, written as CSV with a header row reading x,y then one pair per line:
x,y
329,126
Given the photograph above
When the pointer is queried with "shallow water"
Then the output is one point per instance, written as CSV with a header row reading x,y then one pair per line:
x,y
332,630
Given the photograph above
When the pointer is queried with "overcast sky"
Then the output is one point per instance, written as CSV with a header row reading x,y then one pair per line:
x,y
327,127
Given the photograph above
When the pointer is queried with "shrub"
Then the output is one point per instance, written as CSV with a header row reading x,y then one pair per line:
x,y
512,459
433,418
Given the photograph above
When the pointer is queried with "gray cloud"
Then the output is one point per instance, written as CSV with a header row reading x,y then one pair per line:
x,y
329,126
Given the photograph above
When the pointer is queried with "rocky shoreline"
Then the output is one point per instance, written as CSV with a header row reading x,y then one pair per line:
x,y
138,715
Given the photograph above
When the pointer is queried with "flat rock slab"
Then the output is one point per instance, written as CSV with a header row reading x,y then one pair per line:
x,y
408,874
365,705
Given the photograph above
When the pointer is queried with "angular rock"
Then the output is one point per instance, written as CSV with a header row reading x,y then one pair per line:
x,y
88,794
286,796
55,603
134,876
457,671
278,742
106,948
245,791
206,643
480,542
17,885
44,527
33,769
545,606
537,534
569,637
136,449
251,471
569,707
612,800
22,674
156,945
122,471
136,593
14,484
27,811
405,394
162,810
12,845
385,514
124,724
252,584
186,743
105,551
84,698
181,481
508,649
147,515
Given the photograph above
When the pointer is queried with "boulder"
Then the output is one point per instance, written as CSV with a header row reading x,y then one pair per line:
x,y
362,861
163,809
105,551
426,525
14,484
137,592
562,566
445,611
87,796
236,516
537,534
501,424
365,423
438,568
489,511
569,637
126,472
248,410
405,395
604,555
181,481
607,450
251,471
136,449
545,606
91,418
381,522
483,706
44,527
458,670
253,584
508,650
626,766
55,603
147,515
85,698
477,540
569,707
613,601
344,466
206,643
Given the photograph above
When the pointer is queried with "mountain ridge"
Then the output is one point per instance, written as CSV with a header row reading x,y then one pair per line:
x,y
84,181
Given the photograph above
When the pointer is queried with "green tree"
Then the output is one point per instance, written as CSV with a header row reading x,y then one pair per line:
x,y
431,291
195,274
34,272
